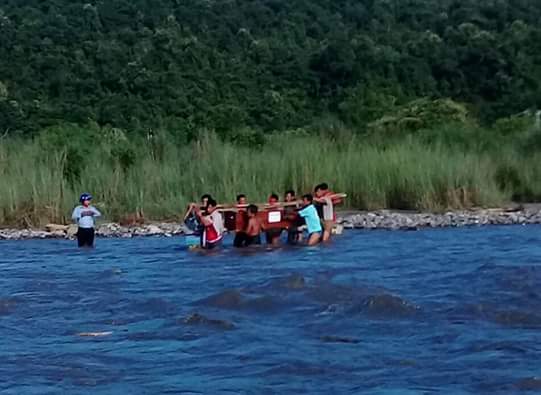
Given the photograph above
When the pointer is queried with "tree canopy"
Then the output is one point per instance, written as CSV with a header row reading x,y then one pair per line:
x,y
263,64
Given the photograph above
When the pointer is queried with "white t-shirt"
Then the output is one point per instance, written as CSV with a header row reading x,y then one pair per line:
x,y
328,209
218,222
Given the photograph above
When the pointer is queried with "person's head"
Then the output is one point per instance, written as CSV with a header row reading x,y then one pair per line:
x,y
211,205
289,195
241,199
273,198
85,199
320,189
204,199
307,199
252,210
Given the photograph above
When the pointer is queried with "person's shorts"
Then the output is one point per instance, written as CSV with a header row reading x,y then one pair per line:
x,y
240,239
252,240
314,233
210,246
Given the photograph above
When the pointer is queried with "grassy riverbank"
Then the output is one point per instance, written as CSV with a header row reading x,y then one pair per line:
x,y
431,170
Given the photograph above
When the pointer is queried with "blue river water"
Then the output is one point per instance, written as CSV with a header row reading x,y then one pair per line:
x,y
451,311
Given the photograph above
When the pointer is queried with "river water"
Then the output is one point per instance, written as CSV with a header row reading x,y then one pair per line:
x,y
451,311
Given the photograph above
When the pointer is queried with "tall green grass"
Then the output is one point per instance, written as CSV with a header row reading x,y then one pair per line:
x,y
42,179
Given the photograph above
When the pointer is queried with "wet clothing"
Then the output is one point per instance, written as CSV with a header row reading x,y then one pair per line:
x,y
244,240
313,223
241,223
240,239
252,240
85,237
210,246
272,234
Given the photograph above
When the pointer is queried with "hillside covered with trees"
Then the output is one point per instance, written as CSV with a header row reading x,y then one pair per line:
x,y
269,65
409,104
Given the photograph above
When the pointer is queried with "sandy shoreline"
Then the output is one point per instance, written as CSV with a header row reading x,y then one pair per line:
x,y
383,219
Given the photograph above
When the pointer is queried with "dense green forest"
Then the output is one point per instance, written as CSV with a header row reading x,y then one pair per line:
x,y
269,65
423,104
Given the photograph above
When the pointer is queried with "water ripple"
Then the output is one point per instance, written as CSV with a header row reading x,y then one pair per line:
x,y
434,311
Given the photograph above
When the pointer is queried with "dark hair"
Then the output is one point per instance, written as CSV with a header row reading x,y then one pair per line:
x,y
290,192
206,196
308,197
252,208
211,202
323,186
240,196
273,196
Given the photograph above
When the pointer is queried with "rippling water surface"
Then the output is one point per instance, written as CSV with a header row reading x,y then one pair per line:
x,y
435,311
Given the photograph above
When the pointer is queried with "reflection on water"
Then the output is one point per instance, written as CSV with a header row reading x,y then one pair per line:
x,y
435,311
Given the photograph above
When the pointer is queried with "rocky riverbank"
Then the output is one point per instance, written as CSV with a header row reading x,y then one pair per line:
x,y
384,219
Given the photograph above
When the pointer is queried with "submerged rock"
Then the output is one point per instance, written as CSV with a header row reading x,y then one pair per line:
x,y
385,305
228,299
293,282
199,319
518,319
234,300
339,339
6,306
529,384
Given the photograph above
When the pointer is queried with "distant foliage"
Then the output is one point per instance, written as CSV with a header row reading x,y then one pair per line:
x,y
421,114
263,65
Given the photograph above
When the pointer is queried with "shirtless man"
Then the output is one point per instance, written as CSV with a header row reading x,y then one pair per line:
x,y
253,229
241,221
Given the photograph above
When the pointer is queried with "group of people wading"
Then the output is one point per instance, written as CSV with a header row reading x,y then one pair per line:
x,y
313,213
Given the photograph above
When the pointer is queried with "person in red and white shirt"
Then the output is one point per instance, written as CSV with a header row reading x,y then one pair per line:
x,y
213,225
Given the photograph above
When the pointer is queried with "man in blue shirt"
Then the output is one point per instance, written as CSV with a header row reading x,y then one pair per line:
x,y
84,216
313,223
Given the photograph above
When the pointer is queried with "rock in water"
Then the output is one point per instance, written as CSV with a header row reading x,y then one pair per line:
x,y
199,319
338,339
54,228
228,299
72,231
385,305
154,230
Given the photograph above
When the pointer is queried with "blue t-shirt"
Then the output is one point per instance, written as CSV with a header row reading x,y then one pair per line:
x,y
309,213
